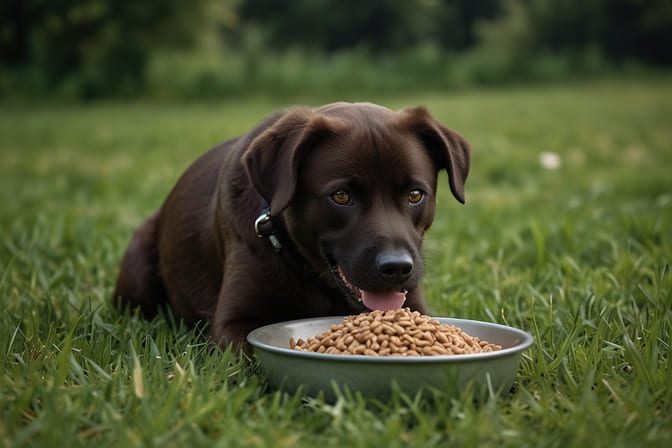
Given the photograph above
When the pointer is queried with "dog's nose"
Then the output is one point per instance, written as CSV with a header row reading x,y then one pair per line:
x,y
394,266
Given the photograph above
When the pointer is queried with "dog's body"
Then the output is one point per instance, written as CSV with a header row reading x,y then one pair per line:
x,y
350,191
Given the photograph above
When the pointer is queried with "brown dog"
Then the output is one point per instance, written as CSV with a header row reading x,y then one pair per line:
x,y
315,212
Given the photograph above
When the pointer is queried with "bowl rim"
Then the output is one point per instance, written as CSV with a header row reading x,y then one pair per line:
x,y
526,340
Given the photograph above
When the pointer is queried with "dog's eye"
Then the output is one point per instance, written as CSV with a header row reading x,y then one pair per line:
x,y
341,197
415,196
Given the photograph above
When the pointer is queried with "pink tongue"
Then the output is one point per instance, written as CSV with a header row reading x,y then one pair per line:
x,y
383,301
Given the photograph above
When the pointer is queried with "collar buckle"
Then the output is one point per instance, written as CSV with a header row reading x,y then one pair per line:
x,y
261,222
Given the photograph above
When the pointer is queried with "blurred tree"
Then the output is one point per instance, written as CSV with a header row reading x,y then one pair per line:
x,y
456,20
94,46
101,47
621,29
329,25
638,29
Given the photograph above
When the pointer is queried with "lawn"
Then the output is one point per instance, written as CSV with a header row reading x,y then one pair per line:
x,y
579,256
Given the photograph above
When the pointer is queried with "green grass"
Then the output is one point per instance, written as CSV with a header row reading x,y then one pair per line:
x,y
578,256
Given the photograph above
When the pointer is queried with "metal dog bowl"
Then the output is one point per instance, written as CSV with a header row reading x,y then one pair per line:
x,y
377,375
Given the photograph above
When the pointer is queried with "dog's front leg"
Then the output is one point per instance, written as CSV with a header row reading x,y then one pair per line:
x,y
234,332
241,307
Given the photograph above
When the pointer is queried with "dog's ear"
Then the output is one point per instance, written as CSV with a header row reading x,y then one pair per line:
x,y
272,159
449,149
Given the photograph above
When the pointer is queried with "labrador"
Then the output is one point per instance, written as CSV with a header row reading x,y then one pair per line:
x,y
314,212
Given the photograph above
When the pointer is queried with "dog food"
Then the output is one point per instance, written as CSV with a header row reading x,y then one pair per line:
x,y
393,333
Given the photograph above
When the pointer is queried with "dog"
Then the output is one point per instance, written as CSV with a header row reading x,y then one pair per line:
x,y
314,212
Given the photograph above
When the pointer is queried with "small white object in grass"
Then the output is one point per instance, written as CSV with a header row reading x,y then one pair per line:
x,y
549,160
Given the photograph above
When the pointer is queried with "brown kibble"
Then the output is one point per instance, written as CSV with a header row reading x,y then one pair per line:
x,y
336,334
414,332
398,329
427,350
393,333
440,350
388,329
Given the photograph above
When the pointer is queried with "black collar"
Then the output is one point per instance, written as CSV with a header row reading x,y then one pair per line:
x,y
270,227
265,228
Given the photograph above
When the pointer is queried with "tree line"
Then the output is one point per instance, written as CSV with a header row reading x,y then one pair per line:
x,y
102,47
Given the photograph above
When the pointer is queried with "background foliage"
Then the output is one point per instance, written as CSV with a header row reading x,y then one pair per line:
x,y
215,48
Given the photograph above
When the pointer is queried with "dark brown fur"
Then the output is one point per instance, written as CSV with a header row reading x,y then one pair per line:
x,y
199,253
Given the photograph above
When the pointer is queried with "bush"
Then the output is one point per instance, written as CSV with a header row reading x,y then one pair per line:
x,y
88,48
91,48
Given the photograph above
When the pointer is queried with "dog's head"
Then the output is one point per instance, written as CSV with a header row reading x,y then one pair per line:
x,y
356,187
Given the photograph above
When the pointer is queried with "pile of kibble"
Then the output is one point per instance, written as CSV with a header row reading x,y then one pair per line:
x,y
393,333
